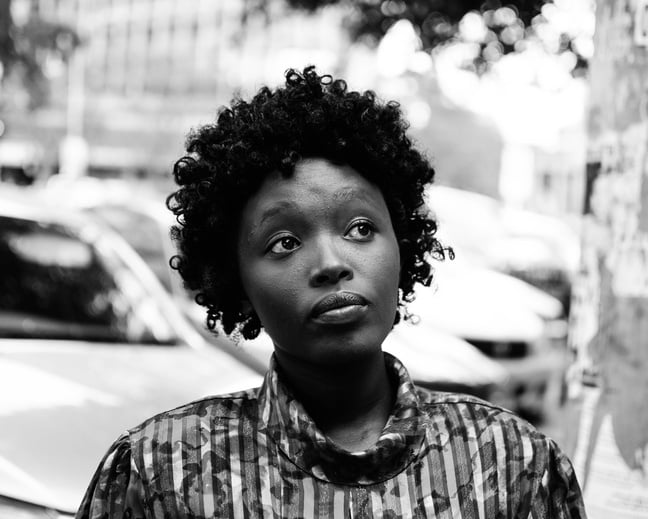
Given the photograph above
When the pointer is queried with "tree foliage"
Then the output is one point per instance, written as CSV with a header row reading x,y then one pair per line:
x,y
25,48
509,26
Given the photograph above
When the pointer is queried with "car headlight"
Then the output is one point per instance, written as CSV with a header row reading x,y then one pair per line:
x,y
15,509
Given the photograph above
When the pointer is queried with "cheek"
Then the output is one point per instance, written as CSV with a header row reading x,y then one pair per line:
x,y
272,294
386,270
393,263
395,276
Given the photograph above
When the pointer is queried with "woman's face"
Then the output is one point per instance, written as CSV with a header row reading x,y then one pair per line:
x,y
320,263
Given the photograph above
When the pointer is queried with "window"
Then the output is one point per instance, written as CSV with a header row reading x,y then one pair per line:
x,y
144,234
54,285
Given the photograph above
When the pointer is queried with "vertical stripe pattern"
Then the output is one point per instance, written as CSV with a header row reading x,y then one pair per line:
x,y
257,454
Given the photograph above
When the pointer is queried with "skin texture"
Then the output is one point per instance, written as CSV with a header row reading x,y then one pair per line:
x,y
323,231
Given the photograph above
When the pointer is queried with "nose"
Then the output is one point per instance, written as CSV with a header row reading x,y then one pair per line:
x,y
330,266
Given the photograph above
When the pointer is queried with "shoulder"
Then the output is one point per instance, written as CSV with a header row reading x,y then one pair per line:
x,y
470,411
486,427
145,457
512,456
114,490
198,414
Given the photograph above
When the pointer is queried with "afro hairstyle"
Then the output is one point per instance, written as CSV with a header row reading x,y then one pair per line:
x,y
311,116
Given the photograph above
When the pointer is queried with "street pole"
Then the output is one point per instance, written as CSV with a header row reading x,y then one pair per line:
x,y
608,383
73,150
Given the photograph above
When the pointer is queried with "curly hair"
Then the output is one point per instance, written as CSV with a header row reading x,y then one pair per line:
x,y
310,116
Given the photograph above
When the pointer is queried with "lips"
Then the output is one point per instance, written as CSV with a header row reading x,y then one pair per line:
x,y
338,303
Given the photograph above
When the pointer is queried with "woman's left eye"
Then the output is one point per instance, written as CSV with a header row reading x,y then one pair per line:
x,y
361,231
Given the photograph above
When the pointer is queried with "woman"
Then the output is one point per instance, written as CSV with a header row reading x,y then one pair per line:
x,y
301,211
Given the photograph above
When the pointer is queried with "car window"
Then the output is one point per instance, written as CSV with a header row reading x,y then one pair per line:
x,y
55,285
144,234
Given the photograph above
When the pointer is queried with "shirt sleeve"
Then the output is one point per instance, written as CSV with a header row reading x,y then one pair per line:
x,y
560,489
116,489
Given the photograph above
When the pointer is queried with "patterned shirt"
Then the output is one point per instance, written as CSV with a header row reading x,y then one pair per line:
x,y
258,454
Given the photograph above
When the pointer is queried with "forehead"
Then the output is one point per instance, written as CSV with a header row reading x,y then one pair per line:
x,y
315,183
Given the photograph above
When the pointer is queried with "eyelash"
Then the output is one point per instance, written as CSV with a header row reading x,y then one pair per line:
x,y
355,225
363,223
278,241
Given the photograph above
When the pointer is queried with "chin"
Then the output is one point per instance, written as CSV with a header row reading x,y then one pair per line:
x,y
332,345
348,349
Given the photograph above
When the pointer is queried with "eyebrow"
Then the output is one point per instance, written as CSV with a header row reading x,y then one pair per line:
x,y
351,193
277,208
282,206
267,214
343,195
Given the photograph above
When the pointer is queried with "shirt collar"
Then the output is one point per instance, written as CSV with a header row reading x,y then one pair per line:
x,y
295,433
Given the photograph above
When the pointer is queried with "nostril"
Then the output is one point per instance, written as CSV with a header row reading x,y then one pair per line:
x,y
345,274
332,276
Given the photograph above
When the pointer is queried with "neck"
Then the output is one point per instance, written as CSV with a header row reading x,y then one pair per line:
x,y
350,403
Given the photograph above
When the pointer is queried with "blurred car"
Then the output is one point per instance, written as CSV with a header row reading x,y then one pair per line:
x,y
499,319
542,250
513,323
90,344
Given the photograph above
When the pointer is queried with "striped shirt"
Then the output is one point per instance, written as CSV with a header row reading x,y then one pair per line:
x,y
257,454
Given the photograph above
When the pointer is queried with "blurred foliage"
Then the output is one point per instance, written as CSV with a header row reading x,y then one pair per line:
x,y
26,48
508,27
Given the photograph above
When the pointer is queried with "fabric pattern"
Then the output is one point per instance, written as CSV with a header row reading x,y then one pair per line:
x,y
257,454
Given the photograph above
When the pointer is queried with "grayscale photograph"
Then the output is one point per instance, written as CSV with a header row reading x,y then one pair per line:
x,y
323,259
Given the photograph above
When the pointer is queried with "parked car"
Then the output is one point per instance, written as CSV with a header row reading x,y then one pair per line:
x,y
540,249
90,344
513,323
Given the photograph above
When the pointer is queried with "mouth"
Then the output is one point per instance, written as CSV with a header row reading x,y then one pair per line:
x,y
340,307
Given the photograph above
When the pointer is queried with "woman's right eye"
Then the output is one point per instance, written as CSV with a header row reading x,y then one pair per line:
x,y
284,245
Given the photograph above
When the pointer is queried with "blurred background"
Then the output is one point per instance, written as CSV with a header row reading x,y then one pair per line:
x,y
495,93
96,97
